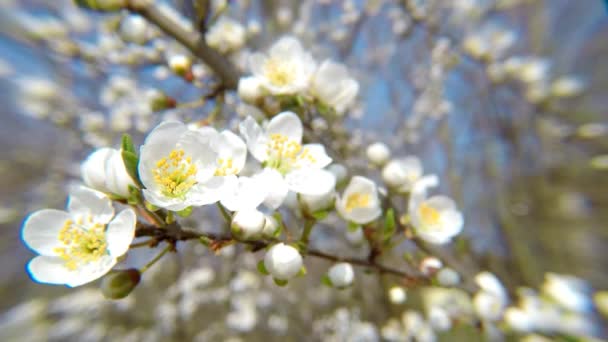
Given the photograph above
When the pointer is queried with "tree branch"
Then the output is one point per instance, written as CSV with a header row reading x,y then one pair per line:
x,y
194,41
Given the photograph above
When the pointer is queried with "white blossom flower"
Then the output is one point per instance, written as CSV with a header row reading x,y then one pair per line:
x,y
341,275
177,167
134,28
570,292
402,173
248,223
567,86
491,300
315,203
333,86
435,219
250,89
80,245
378,153
104,170
282,261
226,35
288,165
287,69
359,202
270,227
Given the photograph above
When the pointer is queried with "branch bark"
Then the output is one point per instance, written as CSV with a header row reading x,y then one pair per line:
x,y
194,41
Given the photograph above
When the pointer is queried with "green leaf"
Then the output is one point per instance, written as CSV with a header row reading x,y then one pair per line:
x,y
184,212
389,225
326,281
131,161
353,226
127,144
319,215
134,195
280,282
262,268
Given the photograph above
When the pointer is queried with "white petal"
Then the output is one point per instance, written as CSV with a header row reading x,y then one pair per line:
x,y
85,201
319,159
169,203
93,168
255,138
120,232
49,270
360,185
117,178
286,123
199,146
231,146
210,191
286,47
92,271
41,230
275,185
158,144
452,221
256,64
441,203
310,181
248,193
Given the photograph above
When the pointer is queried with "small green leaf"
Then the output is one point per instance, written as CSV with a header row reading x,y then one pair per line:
x,y
389,225
134,195
184,212
127,144
262,268
319,215
326,281
353,226
280,282
302,271
131,161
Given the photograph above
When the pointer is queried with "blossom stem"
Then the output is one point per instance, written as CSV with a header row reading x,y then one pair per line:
x,y
308,225
156,258
146,243
150,216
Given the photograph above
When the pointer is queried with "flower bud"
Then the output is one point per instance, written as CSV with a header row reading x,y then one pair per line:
x,y
397,295
448,277
134,28
248,223
567,87
402,173
250,89
180,64
270,227
104,170
283,262
378,153
341,275
430,265
119,284
102,5
339,171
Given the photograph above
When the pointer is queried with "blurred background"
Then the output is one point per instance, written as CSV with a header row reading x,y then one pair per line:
x,y
526,161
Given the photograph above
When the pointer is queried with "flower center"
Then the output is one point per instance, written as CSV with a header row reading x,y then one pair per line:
x,y
175,174
285,154
84,242
225,167
278,72
356,200
429,214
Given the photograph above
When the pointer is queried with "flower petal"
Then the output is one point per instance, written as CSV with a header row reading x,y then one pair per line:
x,y
92,271
159,200
256,63
255,138
319,158
310,181
198,145
285,48
49,270
275,186
117,178
230,145
286,123
158,144
247,193
85,201
120,232
41,230
93,168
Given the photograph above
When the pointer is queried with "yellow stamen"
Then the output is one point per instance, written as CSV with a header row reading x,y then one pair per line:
x,y
175,174
357,200
429,214
225,167
278,72
82,243
286,154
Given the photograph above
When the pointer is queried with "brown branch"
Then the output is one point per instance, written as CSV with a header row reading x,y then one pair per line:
x,y
194,41
173,233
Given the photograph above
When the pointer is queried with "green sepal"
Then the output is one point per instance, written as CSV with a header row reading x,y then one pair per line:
x,y
352,227
134,195
102,5
326,281
389,225
151,206
170,218
277,216
262,268
280,282
184,212
302,271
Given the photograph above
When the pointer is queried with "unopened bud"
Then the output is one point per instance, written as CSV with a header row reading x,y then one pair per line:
x,y
341,275
250,89
378,153
181,65
270,227
119,284
397,295
248,224
430,265
283,262
134,28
